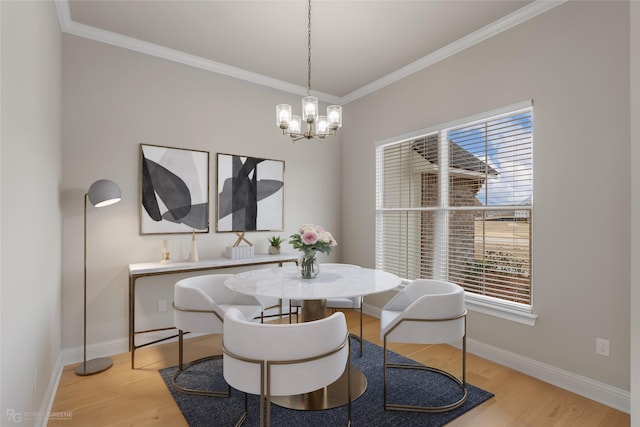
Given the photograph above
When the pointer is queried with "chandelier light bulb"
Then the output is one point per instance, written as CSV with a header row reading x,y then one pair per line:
x,y
322,125
335,116
295,124
283,115
309,109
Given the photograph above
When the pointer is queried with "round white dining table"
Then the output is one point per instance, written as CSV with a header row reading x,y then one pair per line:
x,y
333,281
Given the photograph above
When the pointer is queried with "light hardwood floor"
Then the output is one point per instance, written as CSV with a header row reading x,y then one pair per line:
x,y
125,397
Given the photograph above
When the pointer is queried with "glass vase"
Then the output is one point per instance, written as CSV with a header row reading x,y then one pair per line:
x,y
308,265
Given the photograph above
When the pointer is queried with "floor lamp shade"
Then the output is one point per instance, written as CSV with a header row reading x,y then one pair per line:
x,y
101,193
104,193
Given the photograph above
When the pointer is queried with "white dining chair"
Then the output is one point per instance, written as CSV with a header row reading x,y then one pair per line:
x,y
352,303
284,359
199,305
426,312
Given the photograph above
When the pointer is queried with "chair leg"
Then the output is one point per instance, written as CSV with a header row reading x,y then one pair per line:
x,y
361,339
262,409
349,384
428,409
180,347
268,410
384,377
280,313
182,367
291,313
243,417
464,360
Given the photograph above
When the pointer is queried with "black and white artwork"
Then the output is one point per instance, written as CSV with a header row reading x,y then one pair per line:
x,y
250,194
175,190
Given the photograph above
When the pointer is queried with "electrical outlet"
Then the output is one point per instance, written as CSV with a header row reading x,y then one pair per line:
x,y
162,305
602,347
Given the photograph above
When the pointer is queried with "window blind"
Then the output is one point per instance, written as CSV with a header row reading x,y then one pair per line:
x,y
456,204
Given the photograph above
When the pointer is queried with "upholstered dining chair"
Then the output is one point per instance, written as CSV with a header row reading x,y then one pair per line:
x,y
425,312
353,303
199,305
284,359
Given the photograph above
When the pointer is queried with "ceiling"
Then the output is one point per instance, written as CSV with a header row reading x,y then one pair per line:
x,y
357,46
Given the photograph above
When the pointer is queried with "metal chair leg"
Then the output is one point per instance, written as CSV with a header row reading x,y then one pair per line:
x,y
349,384
428,409
361,339
182,367
243,417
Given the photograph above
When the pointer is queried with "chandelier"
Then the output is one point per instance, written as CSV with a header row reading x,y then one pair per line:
x,y
317,127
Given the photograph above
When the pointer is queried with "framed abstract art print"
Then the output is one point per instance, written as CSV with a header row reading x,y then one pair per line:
x,y
250,194
175,190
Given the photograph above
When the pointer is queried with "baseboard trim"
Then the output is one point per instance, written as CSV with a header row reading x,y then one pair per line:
x,y
600,392
75,355
50,396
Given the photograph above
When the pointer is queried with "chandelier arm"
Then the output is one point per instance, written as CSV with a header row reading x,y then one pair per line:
x,y
298,138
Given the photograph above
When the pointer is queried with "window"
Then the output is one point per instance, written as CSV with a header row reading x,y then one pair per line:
x,y
455,203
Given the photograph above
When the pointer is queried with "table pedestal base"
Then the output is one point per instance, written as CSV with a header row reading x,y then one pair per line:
x,y
332,396
314,309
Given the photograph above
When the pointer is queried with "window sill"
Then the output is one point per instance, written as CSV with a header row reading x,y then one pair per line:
x,y
503,310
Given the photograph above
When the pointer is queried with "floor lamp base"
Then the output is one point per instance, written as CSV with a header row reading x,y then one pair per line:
x,y
94,366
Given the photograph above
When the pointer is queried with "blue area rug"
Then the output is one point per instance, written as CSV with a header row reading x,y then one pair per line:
x,y
404,386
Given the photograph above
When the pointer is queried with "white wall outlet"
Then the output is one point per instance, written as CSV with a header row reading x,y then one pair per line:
x,y
602,347
162,305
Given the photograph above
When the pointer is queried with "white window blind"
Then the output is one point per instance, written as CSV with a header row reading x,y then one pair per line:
x,y
455,204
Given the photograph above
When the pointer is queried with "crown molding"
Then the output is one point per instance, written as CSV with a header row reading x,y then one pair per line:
x,y
89,32
509,21
521,15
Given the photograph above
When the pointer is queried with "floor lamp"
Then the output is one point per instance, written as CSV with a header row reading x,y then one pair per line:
x,y
101,193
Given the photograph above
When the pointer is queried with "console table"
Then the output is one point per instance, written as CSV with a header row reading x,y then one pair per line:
x,y
147,269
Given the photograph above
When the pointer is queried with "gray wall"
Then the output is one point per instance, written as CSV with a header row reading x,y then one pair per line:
x,y
30,219
113,101
573,61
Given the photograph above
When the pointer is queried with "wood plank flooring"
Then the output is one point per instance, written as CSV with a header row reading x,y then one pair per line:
x,y
125,397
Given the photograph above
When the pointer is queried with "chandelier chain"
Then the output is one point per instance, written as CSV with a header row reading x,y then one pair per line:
x,y
309,49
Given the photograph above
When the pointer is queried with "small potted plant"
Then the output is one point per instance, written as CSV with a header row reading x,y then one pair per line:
x,y
274,245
